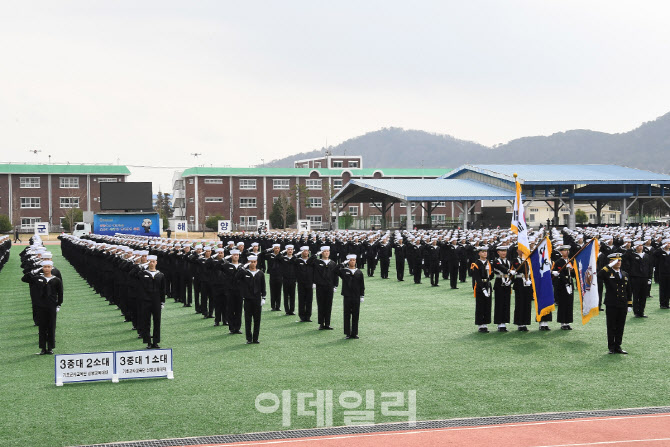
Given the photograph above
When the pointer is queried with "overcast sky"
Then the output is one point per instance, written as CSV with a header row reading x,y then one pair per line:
x,y
151,82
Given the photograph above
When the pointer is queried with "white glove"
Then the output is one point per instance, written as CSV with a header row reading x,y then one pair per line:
x,y
334,289
568,289
440,263
611,264
162,306
318,253
36,271
246,265
262,302
422,262
58,309
649,281
362,299
630,309
555,273
527,283
486,293
313,286
512,272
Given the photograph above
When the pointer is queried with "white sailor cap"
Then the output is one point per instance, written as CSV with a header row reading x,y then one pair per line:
x,y
304,247
152,258
636,243
219,250
47,263
325,247
198,247
502,247
563,247
351,256
240,243
231,242
252,258
208,248
234,252
276,245
289,246
483,248
47,254
254,244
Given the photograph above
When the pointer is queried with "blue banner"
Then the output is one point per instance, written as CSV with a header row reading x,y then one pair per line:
x,y
543,289
137,224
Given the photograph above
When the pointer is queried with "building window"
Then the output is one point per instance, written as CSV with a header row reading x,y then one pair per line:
x,y
69,182
337,184
280,183
248,221
314,202
213,181
30,202
315,221
438,218
247,183
191,200
531,217
376,219
213,199
353,210
69,202
190,181
30,182
60,221
337,164
376,204
28,223
274,200
247,202
437,204
592,216
191,218
534,210
402,205
317,164
313,184
107,180
353,164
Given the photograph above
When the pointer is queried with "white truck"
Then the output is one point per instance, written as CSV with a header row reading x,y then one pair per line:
x,y
81,229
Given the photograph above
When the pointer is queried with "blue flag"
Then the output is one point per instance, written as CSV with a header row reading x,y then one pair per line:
x,y
540,273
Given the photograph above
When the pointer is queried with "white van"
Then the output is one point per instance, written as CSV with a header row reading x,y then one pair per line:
x,y
81,229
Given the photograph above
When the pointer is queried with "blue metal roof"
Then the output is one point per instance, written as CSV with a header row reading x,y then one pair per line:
x,y
427,190
564,174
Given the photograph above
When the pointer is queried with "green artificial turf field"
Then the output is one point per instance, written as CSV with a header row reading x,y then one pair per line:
x,y
413,337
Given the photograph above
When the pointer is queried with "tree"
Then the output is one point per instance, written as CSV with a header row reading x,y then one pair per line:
x,y
72,216
283,213
301,194
346,220
162,205
5,224
581,217
213,222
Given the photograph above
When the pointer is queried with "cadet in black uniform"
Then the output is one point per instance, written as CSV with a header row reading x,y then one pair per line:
x,y
400,255
353,293
640,273
252,289
49,290
617,300
564,293
304,273
326,279
482,273
502,288
152,283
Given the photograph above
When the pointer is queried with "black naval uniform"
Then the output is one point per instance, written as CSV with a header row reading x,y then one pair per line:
x,y
252,289
617,301
663,262
564,293
304,273
274,268
640,272
400,255
482,273
433,255
152,298
353,290
326,279
503,291
49,296
523,294
288,279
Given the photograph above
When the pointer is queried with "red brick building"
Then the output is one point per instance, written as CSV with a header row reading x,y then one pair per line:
x,y
246,195
44,193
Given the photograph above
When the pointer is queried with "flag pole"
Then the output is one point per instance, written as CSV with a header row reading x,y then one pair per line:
x,y
575,255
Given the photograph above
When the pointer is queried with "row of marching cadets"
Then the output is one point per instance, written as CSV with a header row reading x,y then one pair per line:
x,y
222,284
45,284
5,247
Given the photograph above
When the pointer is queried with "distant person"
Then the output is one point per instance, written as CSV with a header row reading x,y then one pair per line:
x,y
169,233
16,235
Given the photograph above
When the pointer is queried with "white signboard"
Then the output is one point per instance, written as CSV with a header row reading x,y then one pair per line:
x,y
180,226
86,367
224,226
303,225
263,225
143,364
42,228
